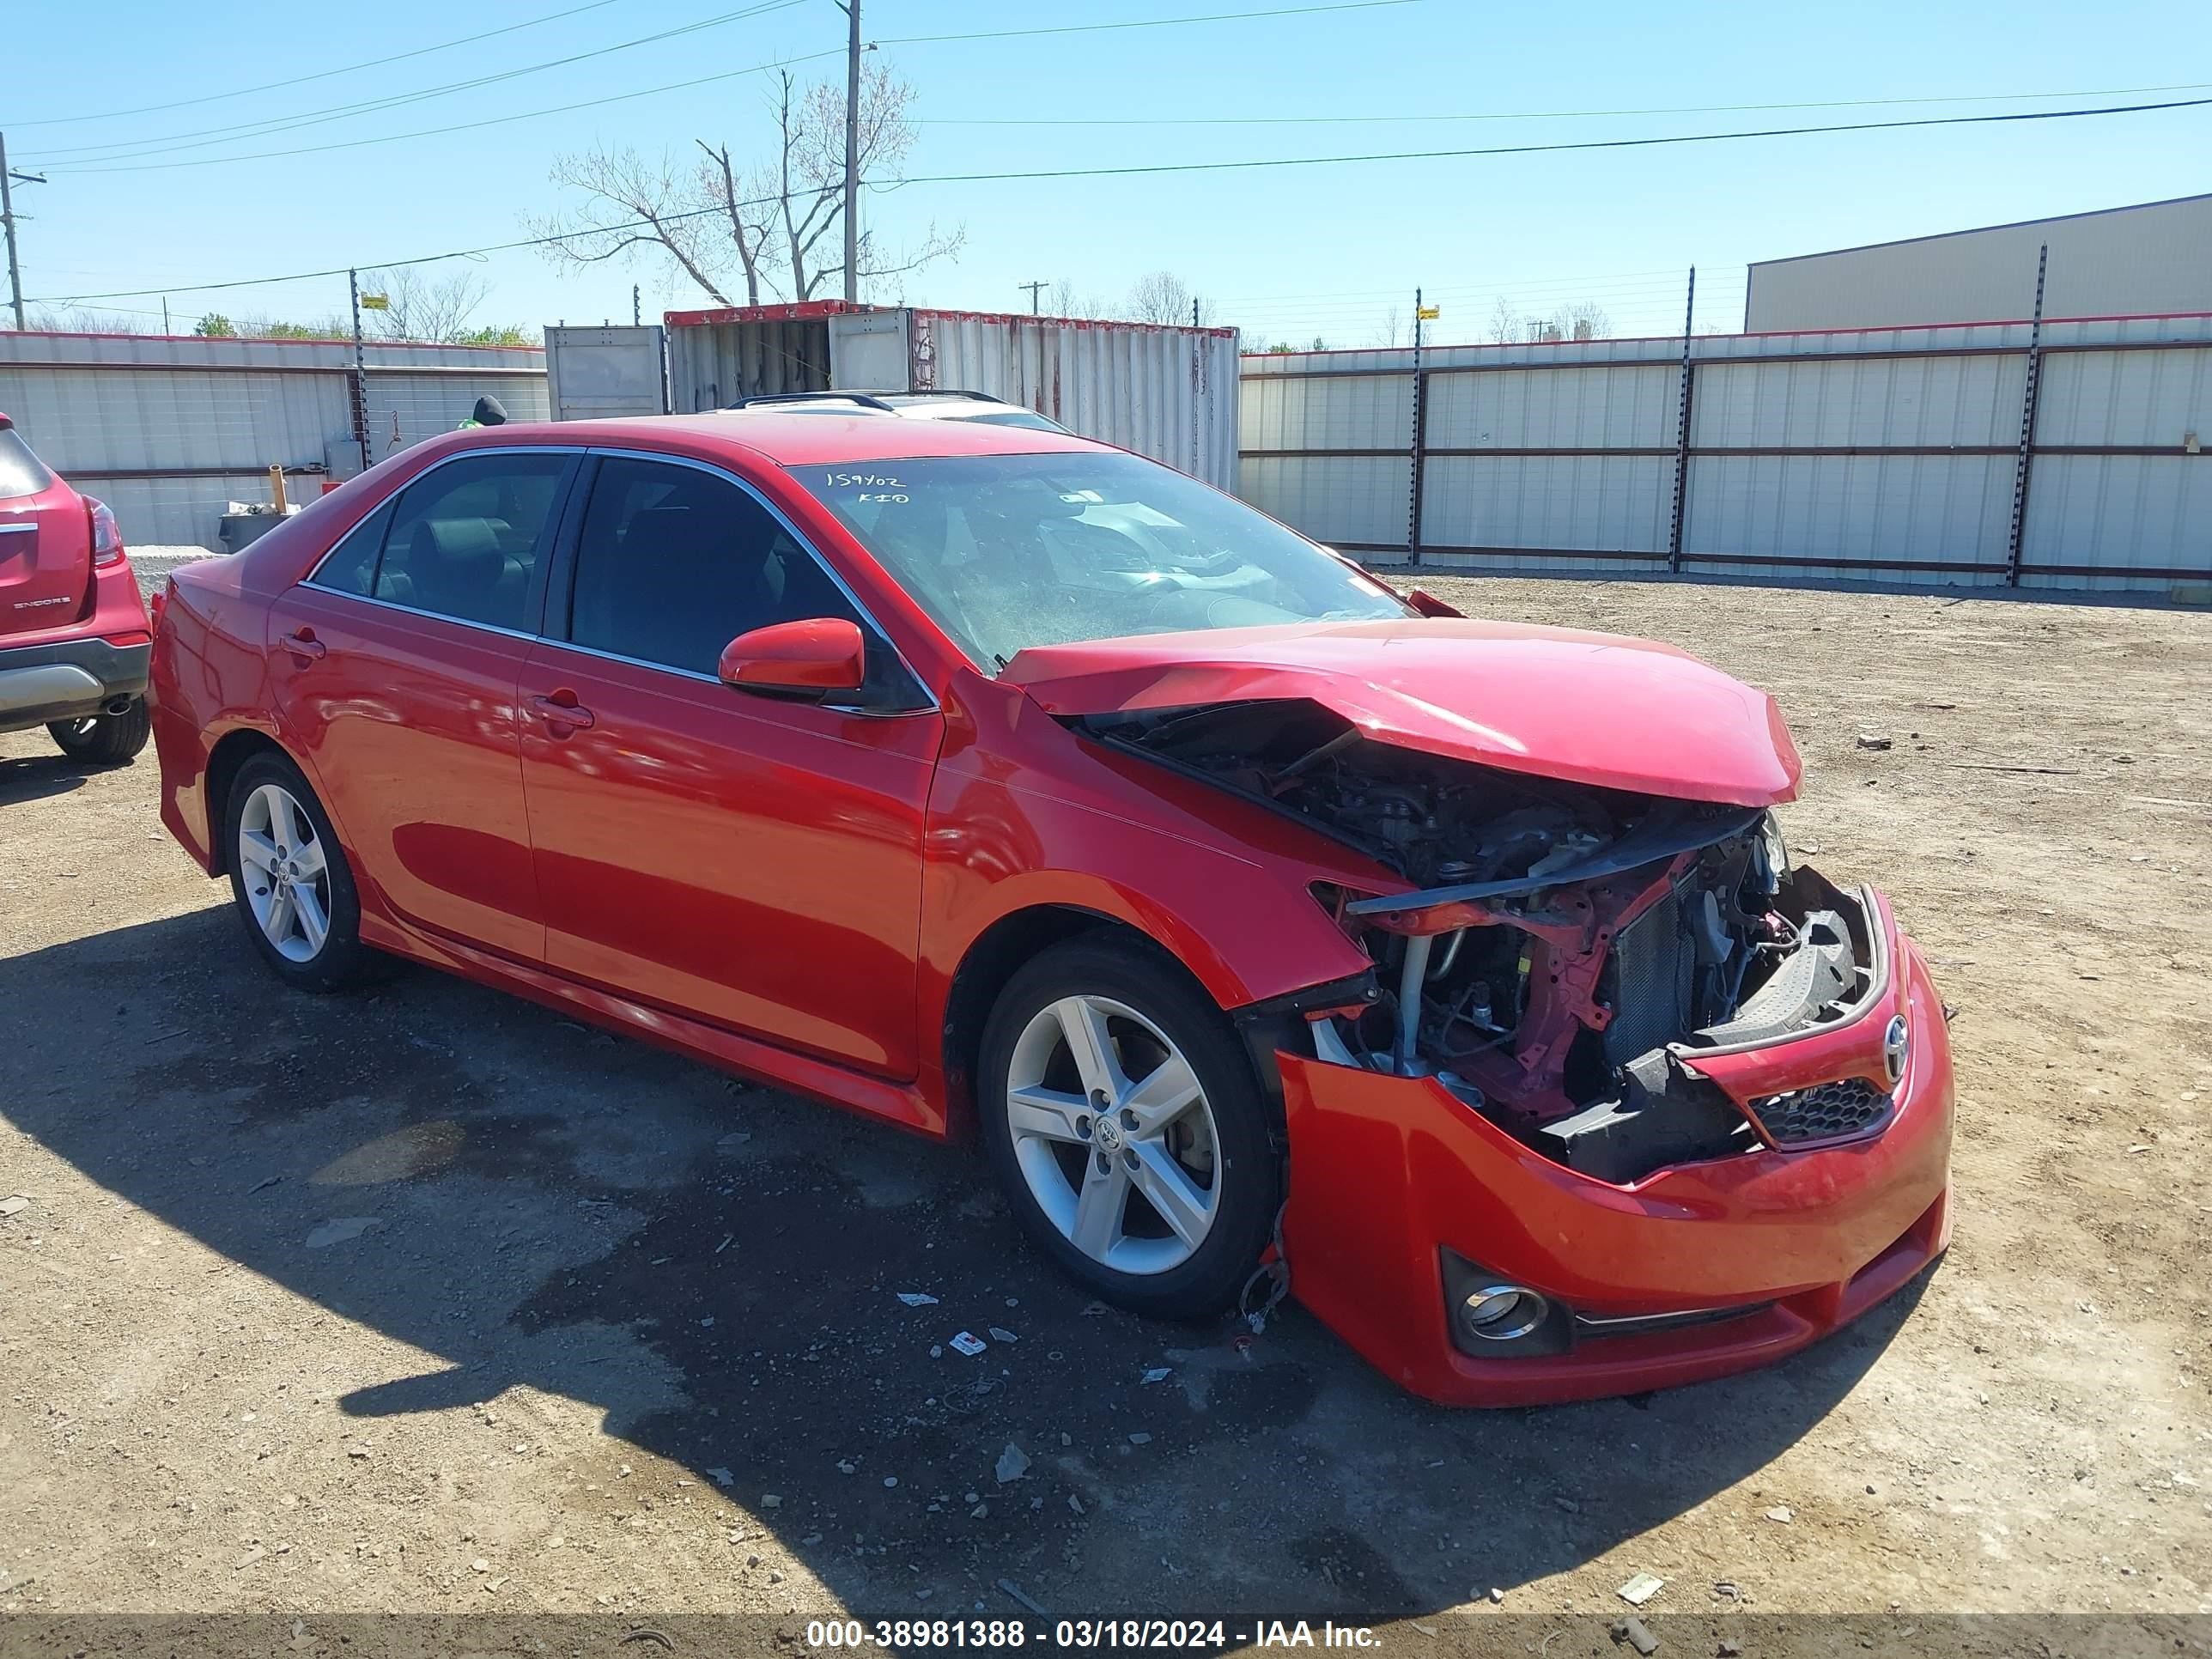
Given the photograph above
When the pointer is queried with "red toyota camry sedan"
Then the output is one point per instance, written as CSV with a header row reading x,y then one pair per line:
x,y
1259,921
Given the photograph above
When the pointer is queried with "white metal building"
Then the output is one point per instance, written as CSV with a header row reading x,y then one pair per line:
x,y
2150,260
166,430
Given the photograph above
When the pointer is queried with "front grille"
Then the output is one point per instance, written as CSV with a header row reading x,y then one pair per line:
x,y
1827,1111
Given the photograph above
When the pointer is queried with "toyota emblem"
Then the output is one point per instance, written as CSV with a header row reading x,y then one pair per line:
x,y
1896,1043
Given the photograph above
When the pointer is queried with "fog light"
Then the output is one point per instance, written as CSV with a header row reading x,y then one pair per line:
x,y
1500,1313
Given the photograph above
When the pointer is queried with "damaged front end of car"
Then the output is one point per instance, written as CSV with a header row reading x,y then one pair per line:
x,y
1566,951
1631,1100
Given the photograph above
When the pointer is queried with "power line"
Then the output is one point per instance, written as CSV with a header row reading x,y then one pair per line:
x,y
1142,23
75,170
1539,149
132,148
1191,166
1535,114
101,164
319,75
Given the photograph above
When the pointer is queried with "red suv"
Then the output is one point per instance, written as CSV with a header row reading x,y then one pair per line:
x,y
1258,921
74,636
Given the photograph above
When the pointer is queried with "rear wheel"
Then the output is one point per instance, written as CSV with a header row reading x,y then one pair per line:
x,y
289,878
1123,1116
103,739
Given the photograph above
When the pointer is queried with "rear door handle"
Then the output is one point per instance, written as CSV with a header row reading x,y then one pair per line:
x,y
562,709
305,646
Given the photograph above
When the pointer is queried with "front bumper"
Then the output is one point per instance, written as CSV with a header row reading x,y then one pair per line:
x,y
1386,1172
67,679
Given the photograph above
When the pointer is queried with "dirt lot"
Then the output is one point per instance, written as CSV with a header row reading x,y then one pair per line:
x,y
429,1300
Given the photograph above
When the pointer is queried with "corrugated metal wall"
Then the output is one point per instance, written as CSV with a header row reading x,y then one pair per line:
x,y
2151,259
1891,455
166,431
712,365
1171,393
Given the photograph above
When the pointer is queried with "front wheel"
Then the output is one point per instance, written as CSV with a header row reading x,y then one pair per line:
x,y
290,879
103,739
1123,1118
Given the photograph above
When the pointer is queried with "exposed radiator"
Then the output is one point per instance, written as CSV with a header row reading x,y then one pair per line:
x,y
1654,960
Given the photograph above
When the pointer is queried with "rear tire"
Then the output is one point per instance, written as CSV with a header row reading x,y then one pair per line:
x,y
1158,1194
103,739
289,878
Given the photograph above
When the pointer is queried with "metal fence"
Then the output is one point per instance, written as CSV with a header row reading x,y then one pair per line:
x,y
2053,454
166,431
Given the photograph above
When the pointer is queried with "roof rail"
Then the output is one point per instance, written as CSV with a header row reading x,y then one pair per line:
x,y
878,399
865,400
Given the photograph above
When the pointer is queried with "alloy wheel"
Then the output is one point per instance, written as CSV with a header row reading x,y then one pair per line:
x,y
287,877
1112,1132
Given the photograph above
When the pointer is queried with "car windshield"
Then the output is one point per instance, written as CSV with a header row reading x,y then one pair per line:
x,y
1007,551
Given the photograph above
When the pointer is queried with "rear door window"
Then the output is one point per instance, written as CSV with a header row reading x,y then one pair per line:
x,y
350,566
464,539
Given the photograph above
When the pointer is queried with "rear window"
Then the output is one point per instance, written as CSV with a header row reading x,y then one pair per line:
x,y
21,473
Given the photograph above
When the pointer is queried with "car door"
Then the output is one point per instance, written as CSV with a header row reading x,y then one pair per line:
x,y
752,860
394,666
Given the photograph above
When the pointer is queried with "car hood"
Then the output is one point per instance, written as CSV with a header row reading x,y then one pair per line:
x,y
1594,708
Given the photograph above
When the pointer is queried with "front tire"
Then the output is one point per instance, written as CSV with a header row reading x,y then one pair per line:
x,y
289,878
1122,1114
103,739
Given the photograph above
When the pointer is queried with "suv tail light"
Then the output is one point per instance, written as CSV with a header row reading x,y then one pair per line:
x,y
106,534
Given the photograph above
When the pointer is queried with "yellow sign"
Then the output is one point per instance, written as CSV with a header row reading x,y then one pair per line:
x,y
1421,314
376,302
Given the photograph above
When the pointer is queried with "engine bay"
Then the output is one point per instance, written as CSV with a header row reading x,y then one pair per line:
x,y
1565,946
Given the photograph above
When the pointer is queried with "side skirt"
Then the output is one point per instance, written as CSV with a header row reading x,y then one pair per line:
x,y
900,1104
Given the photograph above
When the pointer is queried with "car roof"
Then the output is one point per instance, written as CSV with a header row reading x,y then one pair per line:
x,y
798,439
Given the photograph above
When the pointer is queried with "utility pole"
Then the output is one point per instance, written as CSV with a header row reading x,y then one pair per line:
x,y
7,180
852,10
1036,306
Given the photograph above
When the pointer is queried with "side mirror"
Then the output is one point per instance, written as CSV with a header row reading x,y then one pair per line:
x,y
1428,604
821,654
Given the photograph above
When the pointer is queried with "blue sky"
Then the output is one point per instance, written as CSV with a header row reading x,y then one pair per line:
x,y
1290,253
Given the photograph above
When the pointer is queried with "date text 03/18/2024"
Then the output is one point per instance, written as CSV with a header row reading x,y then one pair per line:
x,y
1086,1634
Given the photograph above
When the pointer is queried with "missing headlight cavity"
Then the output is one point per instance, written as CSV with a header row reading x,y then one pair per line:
x,y
1564,944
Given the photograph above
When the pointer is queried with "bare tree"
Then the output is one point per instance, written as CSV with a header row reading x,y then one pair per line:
x,y
773,227
44,319
1504,323
1063,301
1585,319
1391,330
1165,297
424,307
653,204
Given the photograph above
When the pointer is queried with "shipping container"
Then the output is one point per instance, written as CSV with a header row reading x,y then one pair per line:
x,y
1168,392
598,374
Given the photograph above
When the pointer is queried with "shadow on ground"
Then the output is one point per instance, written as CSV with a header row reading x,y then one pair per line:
x,y
35,777
716,1268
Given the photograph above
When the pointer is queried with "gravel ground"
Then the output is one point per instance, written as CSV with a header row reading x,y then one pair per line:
x,y
427,1300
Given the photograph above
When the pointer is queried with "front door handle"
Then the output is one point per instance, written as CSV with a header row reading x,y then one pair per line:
x,y
305,646
561,713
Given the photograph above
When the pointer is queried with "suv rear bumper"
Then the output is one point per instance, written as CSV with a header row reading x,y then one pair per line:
x,y
67,680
